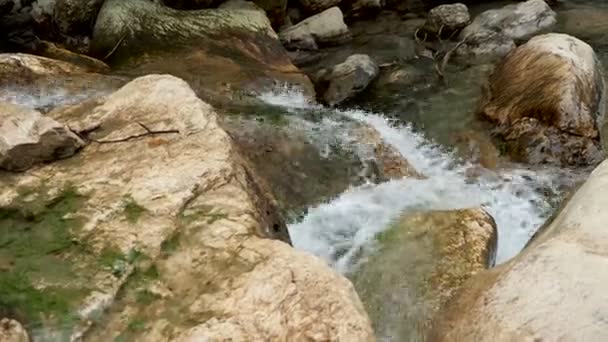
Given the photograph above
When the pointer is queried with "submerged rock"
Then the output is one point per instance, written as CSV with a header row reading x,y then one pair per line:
x,y
27,138
346,79
221,53
420,262
547,100
325,28
161,207
12,331
483,47
553,290
307,162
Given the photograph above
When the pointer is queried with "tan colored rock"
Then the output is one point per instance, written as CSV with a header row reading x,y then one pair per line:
x,y
224,54
165,210
554,290
53,51
12,331
44,83
547,100
419,264
27,138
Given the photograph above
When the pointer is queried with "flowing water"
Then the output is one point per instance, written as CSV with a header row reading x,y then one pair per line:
x,y
342,231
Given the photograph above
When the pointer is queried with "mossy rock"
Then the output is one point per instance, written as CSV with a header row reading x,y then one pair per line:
x,y
418,264
217,51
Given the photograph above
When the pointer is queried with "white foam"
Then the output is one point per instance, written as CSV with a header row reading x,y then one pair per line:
x,y
340,230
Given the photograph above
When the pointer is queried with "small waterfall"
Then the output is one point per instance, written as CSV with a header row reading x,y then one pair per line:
x,y
342,230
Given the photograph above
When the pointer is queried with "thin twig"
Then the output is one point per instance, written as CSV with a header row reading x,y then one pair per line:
x,y
122,38
440,69
148,133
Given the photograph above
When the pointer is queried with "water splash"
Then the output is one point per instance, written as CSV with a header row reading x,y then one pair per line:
x,y
342,230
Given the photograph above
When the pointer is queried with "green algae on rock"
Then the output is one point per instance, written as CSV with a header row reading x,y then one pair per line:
x,y
419,262
217,51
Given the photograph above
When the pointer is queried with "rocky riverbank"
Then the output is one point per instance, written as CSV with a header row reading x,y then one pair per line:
x,y
147,179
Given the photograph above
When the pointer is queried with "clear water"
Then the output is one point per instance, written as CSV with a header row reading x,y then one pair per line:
x,y
342,230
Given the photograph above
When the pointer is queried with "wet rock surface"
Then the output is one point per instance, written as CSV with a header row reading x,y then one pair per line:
x,y
346,79
420,262
193,45
547,288
325,28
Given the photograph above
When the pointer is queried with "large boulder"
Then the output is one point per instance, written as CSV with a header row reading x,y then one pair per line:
x,y
493,32
519,21
419,264
27,138
546,98
346,79
219,52
323,29
191,4
275,9
159,230
554,290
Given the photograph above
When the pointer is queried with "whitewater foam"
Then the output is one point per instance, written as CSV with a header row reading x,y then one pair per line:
x,y
344,229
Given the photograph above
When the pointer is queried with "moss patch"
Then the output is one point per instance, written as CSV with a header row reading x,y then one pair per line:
x,y
36,234
132,210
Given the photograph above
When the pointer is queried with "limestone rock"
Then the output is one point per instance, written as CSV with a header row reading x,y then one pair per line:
x,y
553,290
53,51
547,100
325,28
12,331
43,83
346,79
447,18
219,52
27,138
420,262
169,213
518,21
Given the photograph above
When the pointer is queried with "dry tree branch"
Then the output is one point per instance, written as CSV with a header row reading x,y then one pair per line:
x,y
137,136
